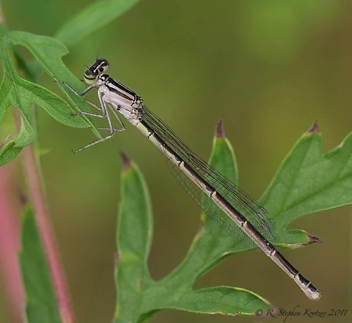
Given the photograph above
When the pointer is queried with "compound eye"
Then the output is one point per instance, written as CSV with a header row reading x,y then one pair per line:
x,y
89,76
102,64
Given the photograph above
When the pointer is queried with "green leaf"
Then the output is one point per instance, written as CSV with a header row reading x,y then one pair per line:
x,y
221,300
47,51
93,17
21,93
41,303
134,236
140,298
308,181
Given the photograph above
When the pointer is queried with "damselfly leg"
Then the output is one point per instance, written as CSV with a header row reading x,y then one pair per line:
x,y
105,114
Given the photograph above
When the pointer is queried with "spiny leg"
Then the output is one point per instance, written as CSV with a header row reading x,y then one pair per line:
x,y
74,91
113,111
92,114
104,115
111,127
118,119
90,103
94,105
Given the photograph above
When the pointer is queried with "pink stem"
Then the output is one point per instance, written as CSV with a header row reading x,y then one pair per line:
x,y
10,242
43,223
45,231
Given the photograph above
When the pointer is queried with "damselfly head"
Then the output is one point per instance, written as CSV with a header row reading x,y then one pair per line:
x,y
93,71
100,66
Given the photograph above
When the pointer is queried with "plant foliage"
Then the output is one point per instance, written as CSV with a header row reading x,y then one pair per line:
x,y
297,189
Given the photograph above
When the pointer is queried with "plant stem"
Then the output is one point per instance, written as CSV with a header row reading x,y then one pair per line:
x,y
35,187
10,241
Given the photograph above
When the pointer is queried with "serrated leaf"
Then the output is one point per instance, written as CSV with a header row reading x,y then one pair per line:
x,y
21,93
309,181
139,297
93,17
212,245
41,306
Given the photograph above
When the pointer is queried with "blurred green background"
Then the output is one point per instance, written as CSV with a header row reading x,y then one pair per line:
x,y
270,68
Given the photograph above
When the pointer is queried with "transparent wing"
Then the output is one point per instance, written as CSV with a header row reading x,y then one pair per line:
x,y
256,214
208,205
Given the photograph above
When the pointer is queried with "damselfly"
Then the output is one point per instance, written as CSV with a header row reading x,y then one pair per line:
x,y
233,209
